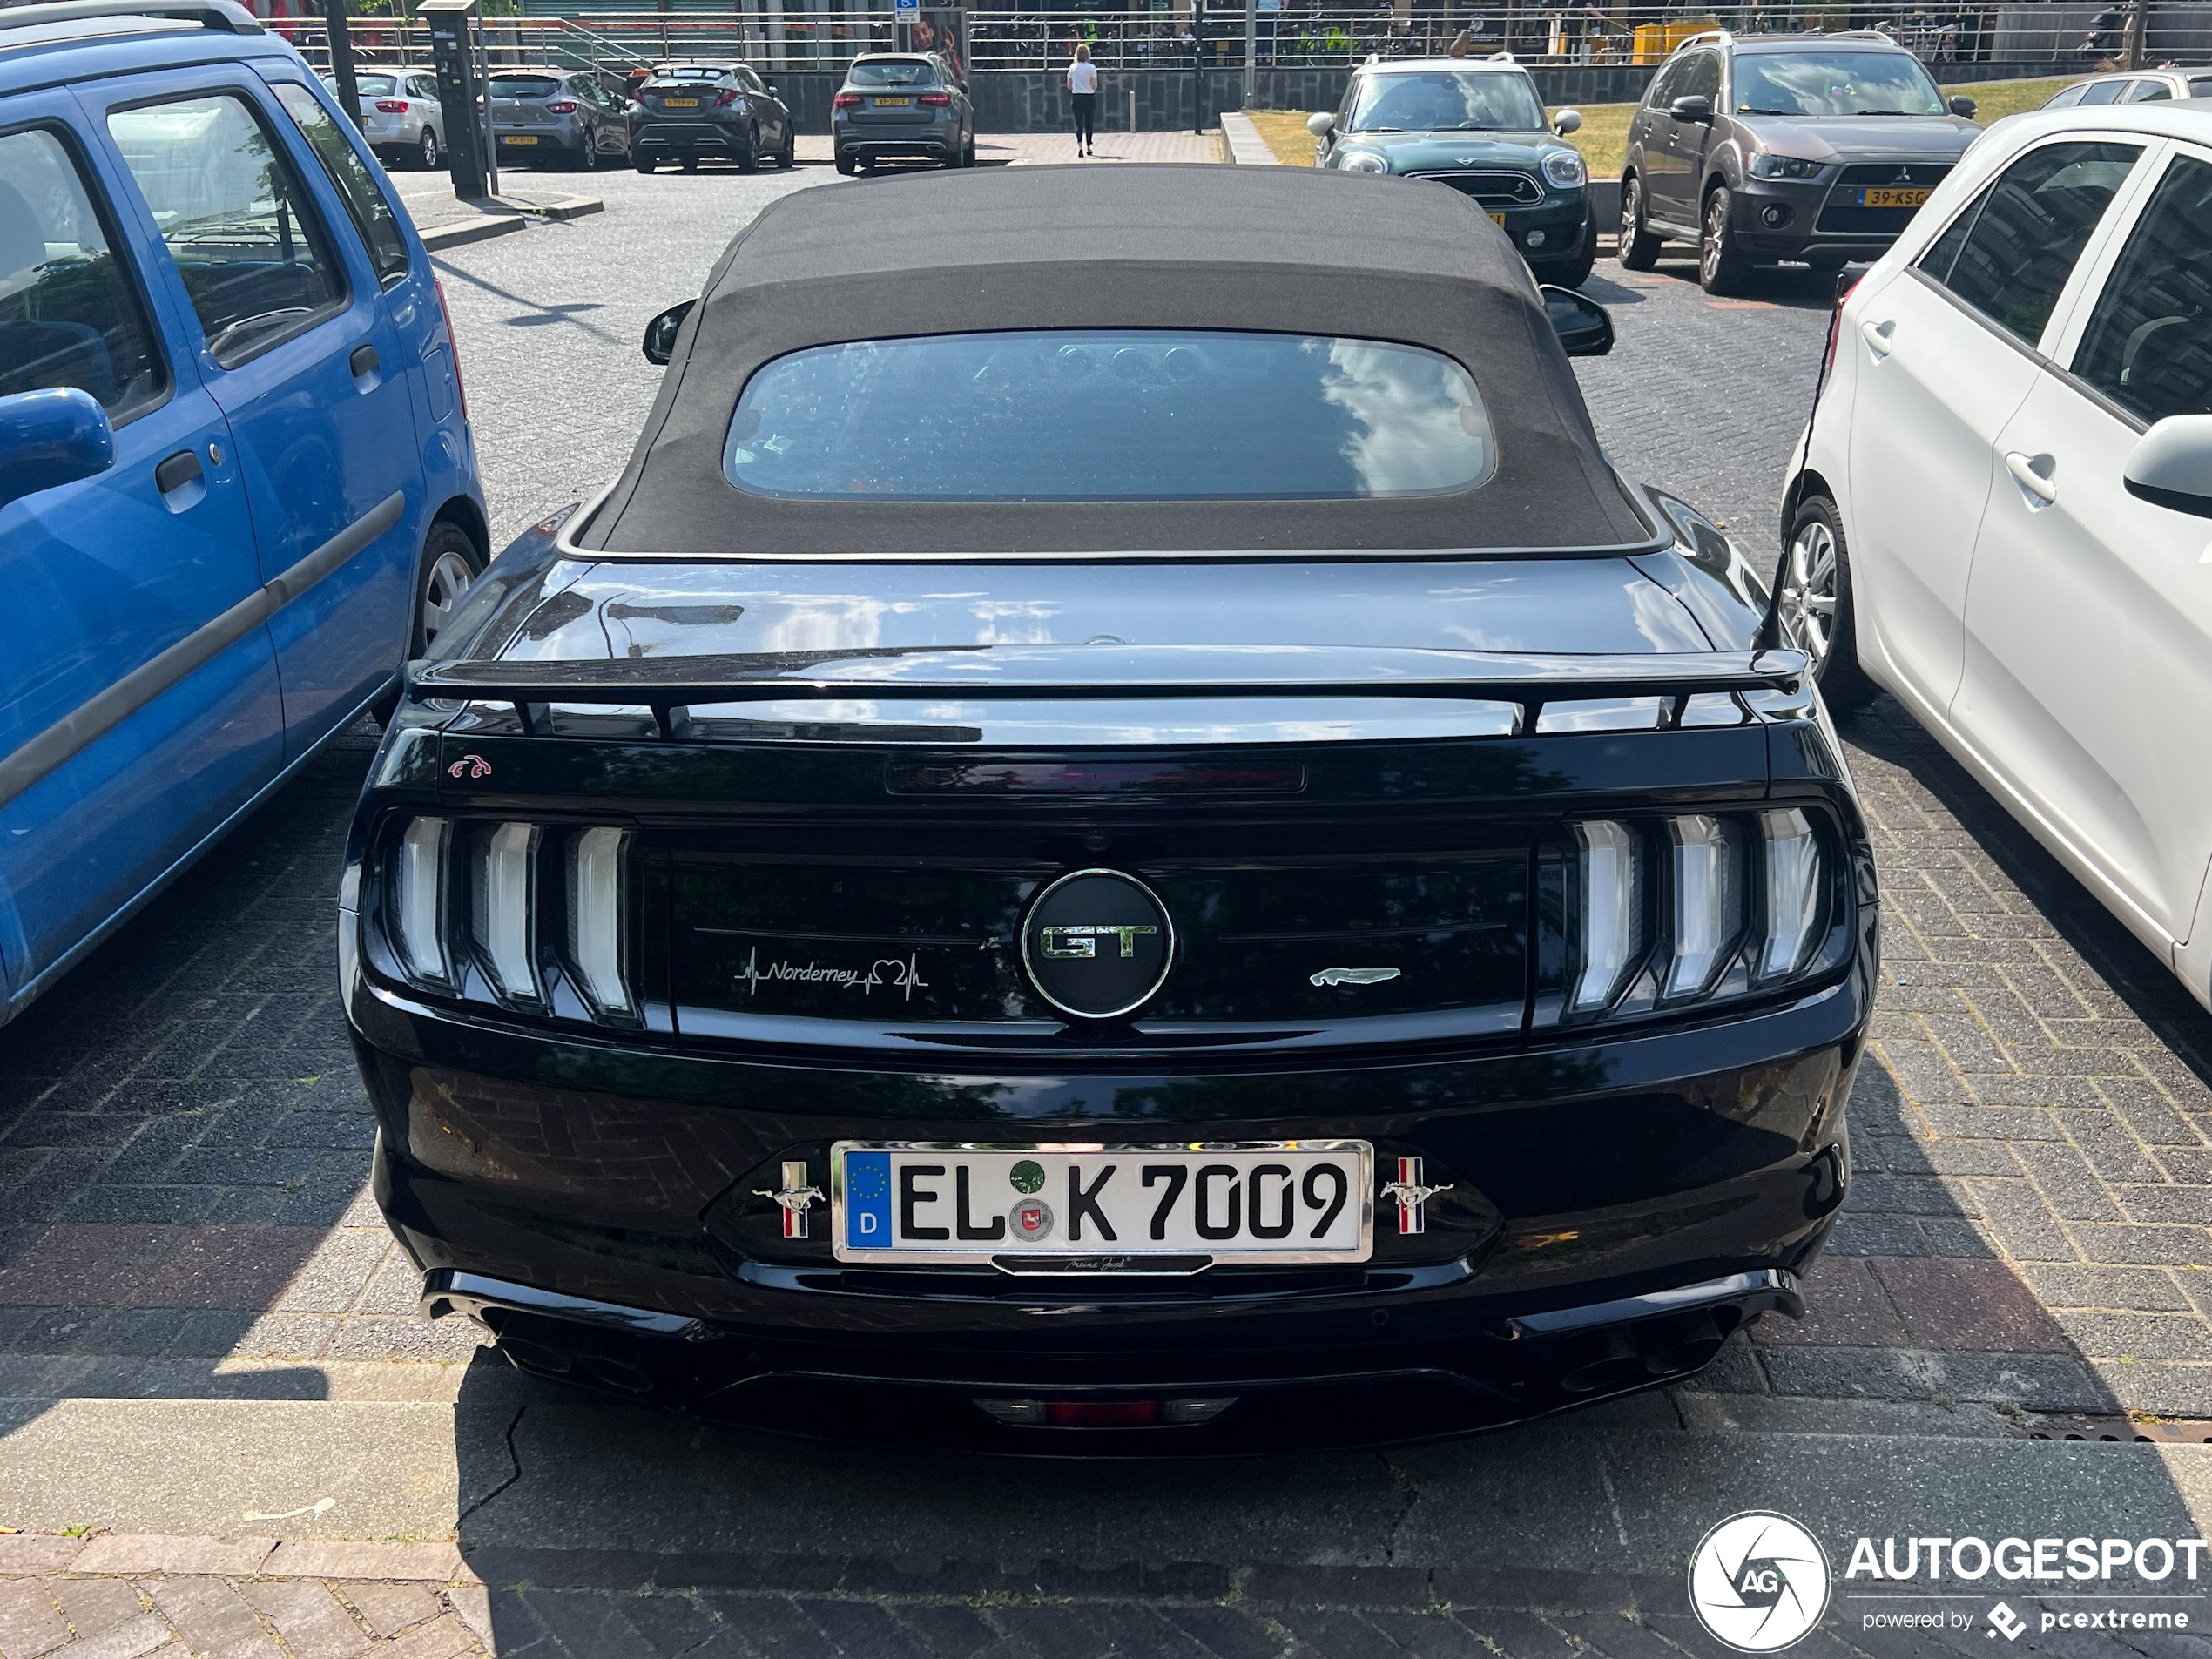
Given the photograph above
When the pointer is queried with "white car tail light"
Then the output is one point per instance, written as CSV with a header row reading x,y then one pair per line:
x,y
1793,884
418,899
1708,903
595,918
500,906
1611,906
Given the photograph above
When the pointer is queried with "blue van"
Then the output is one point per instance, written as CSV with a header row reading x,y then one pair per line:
x,y
237,484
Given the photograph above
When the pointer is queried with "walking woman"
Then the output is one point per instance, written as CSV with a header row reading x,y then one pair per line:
x,y
1082,93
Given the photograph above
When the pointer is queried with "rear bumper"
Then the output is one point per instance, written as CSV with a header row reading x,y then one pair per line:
x,y
593,1208
687,138
935,139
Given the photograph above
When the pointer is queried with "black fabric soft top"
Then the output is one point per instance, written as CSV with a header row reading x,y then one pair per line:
x,y
1286,250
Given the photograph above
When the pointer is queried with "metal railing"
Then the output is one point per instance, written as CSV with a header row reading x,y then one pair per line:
x,y
2053,35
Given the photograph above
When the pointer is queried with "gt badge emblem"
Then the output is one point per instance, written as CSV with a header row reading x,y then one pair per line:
x,y
1031,1220
1097,944
1413,1197
796,1195
1352,976
470,766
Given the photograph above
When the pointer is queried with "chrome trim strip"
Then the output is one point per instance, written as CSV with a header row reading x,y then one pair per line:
x,y
102,712
1777,1282
448,1290
846,1256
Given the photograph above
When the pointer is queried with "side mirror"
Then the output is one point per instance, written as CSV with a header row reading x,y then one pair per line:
x,y
1567,121
1584,327
661,332
52,438
1322,125
1963,108
1696,107
2171,465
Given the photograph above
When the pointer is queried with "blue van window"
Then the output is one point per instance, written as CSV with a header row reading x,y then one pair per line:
x,y
70,314
372,215
242,232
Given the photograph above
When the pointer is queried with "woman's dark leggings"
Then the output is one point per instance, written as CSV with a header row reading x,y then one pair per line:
x,y
1086,117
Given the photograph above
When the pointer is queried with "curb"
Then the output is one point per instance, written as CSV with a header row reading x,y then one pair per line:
x,y
567,208
1241,143
480,228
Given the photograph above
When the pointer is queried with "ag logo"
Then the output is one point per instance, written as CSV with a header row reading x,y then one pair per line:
x,y
1758,1581
1097,943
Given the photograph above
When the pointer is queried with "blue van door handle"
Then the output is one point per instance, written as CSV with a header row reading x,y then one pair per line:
x,y
180,469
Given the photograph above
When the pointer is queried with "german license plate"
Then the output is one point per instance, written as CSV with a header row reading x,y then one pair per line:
x,y
894,104
680,103
1497,219
1894,197
1096,1208
511,138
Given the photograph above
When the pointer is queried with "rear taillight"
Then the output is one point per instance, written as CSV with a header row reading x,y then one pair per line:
x,y
453,346
939,100
721,98
1835,329
847,101
1657,914
563,108
513,913
392,106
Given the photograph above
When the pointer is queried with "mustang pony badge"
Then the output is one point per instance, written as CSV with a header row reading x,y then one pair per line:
x,y
1413,1197
1352,976
797,1194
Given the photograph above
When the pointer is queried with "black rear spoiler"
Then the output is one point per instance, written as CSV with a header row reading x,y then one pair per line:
x,y
669,685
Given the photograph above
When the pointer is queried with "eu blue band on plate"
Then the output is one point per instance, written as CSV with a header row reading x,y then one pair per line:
x,y
868,1200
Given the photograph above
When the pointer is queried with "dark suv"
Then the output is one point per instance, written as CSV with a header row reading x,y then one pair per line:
x,y
1811,147
684,111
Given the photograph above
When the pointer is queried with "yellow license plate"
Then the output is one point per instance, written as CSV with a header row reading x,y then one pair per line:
x,y
895,103
1894,197
681,102
1497,219
508,138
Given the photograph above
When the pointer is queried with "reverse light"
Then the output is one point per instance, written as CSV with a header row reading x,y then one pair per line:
x,y
1611,906
418,899
1792,859
596,919
499,909
1708,903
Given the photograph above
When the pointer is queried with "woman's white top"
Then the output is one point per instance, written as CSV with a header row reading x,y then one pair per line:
x,y
1083,77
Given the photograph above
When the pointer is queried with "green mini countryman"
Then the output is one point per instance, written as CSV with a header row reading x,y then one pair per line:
x,y
1477,125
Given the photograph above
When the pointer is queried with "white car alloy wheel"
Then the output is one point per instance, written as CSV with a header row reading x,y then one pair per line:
x,y
449,578
430,153
1808,591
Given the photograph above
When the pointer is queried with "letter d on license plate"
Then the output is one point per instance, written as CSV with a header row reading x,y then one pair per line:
x,y
1247,1201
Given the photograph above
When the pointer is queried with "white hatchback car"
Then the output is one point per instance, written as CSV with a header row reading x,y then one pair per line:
x,y
2002,508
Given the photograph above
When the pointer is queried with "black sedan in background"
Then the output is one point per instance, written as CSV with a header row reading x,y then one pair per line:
x,y
1104,845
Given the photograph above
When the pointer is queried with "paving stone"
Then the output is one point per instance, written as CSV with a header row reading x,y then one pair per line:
x,y
334,1276
209,1615
132,1639
1955,1304
2016,1214
30,1623
1521,1636
1845,1306
2069,1187
27,1552
309,1618
94,1605
2135,1289
138,1555
74,1262
2137,1336
341,1559
443,1638
389,1609
2145,1246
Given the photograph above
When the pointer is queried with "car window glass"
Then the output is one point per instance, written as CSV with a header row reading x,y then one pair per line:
x,y
373,85
2010,258
1701,77
2104,92
70,314
1663,86
372,215
524,86
2148,345
1109,415
243,233
2201,86
904,71
422,87
2067,98
1833,83
1448,101
2149,92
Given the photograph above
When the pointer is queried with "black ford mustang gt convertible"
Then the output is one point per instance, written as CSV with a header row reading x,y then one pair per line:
x,y
1120,835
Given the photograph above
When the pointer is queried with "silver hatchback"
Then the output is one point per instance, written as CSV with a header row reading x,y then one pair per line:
x,y
399,116
901,104
557,118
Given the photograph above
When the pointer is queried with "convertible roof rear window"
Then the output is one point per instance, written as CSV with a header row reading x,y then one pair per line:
x,y
1101,415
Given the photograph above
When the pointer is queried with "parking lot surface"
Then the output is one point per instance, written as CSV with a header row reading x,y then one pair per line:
x,y
205,1331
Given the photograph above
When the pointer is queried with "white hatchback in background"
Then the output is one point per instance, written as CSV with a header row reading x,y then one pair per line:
x,y
2002,508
